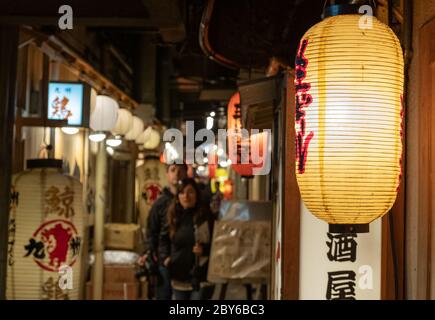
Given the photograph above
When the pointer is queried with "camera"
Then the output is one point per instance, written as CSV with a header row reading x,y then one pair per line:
x,y
149,269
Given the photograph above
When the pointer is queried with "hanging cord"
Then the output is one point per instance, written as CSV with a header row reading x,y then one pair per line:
x,y
43,151
394,255
46,148
371,3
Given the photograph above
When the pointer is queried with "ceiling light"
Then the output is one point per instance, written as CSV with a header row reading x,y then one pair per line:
x,y
70,130
97,136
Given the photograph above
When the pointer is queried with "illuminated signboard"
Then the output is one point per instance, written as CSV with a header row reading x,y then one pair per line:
x,y
68,101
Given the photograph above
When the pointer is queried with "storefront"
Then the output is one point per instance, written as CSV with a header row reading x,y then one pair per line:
x,y
323,198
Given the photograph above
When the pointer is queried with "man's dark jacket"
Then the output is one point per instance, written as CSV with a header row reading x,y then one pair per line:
x,y
158,220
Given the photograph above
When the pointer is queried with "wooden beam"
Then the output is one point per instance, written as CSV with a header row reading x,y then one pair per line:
x,y
390,277
125,22
426,160
290,203
8,72
80,67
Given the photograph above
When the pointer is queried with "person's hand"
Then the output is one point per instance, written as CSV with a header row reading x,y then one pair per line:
x,y
167,261
142,259
197,249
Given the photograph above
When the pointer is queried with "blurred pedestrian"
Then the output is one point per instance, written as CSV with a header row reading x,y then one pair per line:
x,y
185,248
158,225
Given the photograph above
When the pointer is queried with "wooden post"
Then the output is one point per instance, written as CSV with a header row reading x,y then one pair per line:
x,y
8,71
290,203
100,203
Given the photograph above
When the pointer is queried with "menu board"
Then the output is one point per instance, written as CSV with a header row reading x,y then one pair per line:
x,y
241,245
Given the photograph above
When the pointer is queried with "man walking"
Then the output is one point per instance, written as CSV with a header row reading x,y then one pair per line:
x,y
158,223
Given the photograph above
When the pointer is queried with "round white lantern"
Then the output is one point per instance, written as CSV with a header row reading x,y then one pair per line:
x,y
46,233
105,114
349,84
151,138
140,139
135,130
123,123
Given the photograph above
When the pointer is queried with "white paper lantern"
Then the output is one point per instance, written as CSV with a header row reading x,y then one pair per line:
x,y
135,130
105,114
349,85
46,230
123,123
152,138
141,138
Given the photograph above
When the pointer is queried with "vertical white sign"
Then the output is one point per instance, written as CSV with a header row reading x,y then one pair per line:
x,y
338,266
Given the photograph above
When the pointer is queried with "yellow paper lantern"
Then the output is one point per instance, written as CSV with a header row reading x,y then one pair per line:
x,y
349,84
135,130
105,114
151,138
124,122
46,230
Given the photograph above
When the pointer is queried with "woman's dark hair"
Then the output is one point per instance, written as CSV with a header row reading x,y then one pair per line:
x,y
175,210
181,165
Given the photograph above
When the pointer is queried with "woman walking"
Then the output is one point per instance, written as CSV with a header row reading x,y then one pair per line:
x,y
185,247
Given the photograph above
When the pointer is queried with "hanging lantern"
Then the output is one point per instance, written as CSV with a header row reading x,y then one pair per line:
x,y
152,138
349,83
124,122
212,164
46,230
238,143
140,139
151,179
104,115
135,130
228,189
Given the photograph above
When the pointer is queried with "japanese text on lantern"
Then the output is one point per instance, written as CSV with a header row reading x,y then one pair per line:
x,y
12,225
51,290
303,100
341,283
59,203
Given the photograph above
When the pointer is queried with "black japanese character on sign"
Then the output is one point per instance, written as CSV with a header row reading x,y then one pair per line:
x,y
11,260
75,245
38,247
342,247
12,227
14,197
147,174
11,241
341,285
156,174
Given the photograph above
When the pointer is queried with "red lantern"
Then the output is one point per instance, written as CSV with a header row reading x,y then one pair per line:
x,y
212,164
251,143
162,158
228,189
